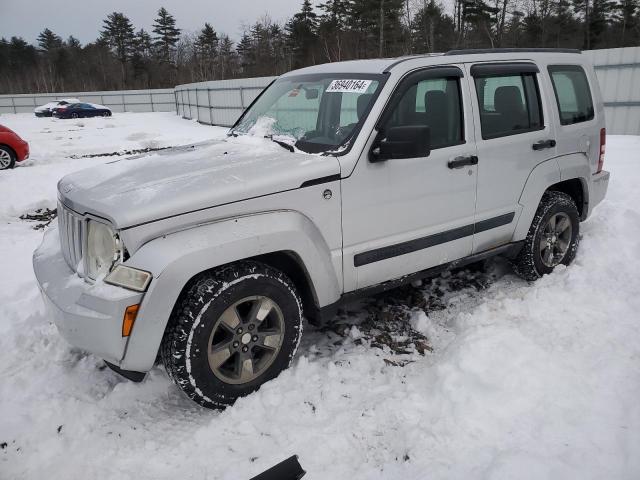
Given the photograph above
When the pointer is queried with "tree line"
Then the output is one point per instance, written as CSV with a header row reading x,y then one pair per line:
x,y
123,57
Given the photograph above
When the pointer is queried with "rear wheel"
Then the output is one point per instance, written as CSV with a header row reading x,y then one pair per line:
x,y
552,239
7,158
74,115
231,331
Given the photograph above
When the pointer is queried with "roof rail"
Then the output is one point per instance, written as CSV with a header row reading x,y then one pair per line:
x,y
474,51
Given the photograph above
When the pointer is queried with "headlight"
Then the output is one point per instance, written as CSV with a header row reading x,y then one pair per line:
x,y
103,249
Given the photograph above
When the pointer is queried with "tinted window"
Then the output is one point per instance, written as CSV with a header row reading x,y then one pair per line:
x,y
572,93
436,103
509,104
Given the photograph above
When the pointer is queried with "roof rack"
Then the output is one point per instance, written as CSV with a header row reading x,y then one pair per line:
x,y
474,51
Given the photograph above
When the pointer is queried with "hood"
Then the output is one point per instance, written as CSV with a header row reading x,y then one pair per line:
x,y
141,189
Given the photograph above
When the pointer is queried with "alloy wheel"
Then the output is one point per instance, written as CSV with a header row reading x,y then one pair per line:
x,y
246,339
5,159
555,239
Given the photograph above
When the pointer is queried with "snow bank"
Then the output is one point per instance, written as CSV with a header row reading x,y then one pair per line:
x,y
526,381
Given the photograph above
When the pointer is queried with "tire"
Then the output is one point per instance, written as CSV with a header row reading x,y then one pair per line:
x,y
106,114
552,239
7,158
205,352
74,115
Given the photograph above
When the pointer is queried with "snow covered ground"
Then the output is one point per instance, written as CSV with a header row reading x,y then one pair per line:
x,y
524,381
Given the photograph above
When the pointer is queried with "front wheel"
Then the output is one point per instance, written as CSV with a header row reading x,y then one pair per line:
x,y
7,158
232,330
552,239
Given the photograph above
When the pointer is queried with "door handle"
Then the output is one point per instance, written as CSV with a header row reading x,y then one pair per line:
x,y
544,144
460,162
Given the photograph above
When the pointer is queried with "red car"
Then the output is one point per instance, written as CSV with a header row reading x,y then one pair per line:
x,y
12,148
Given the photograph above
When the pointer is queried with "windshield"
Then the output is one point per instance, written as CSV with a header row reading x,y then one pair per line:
x,y
314,113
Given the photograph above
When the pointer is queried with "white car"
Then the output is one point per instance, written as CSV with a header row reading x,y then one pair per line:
x,y
340,181
46,110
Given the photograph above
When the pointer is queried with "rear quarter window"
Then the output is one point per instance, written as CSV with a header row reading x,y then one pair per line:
x,y
573,95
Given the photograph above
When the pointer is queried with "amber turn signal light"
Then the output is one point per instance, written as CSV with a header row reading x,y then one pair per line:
x,y
129,318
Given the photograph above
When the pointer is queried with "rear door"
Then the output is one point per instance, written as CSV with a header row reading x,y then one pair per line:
x,y
512,136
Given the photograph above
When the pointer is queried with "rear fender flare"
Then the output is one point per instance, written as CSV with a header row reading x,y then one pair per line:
x,y
541,177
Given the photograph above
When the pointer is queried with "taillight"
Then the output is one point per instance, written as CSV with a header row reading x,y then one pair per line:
x,y
603,141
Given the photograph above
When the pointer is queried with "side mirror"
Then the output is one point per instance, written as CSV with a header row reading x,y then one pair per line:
x,y
311,93
407,141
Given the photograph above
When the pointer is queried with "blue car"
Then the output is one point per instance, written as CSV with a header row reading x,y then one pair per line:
x,y
81,110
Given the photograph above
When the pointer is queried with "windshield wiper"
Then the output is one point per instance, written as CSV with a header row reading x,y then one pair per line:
x,y
282,143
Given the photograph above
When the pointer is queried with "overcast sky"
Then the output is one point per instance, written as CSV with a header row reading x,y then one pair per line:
x,y
83,18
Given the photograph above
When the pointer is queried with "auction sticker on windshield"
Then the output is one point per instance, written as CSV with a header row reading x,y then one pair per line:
x,y
349,86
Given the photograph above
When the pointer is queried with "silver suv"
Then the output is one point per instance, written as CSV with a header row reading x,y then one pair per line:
x,y
340,180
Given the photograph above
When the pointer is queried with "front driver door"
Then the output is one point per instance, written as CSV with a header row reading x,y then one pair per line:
x,y
404,215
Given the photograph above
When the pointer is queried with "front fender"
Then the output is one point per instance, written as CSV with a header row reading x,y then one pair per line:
x,y
174,259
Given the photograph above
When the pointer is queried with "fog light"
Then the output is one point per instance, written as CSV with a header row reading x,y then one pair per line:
x,y
129,318
130,278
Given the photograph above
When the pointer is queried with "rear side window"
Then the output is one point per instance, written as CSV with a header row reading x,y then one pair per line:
x,y
573,96
509,104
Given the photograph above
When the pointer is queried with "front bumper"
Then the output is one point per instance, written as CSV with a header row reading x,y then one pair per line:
x,y
22,151
88,316
598,190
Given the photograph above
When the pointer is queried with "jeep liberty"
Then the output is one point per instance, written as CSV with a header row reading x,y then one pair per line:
x,y
340,180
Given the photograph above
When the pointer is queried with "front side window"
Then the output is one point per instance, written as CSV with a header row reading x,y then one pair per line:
x,y
435,103
572,92
314,113
509,104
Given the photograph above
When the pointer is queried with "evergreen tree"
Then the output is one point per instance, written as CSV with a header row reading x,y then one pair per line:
x,y
432,29
481,17
226,57
207,42
49,41
628,12
246,54
167,35
332,26
141,56
73,43
118,35
206,52
302,36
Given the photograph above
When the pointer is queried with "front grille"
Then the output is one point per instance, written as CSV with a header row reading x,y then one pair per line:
x,y
70,226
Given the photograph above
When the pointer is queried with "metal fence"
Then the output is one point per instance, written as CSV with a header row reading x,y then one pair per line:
x,y
218,102
618,71
221,102
159,100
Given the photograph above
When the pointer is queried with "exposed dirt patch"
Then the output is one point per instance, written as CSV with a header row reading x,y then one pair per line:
x,y
43,217
384,321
